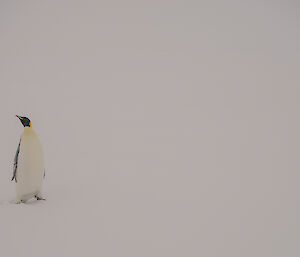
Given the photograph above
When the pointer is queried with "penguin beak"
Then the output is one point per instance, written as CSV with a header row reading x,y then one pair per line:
x,y
19,117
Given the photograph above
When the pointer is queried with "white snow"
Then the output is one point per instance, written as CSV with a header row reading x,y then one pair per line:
x,y
170,128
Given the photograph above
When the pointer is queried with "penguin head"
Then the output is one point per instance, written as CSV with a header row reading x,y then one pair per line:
x,y
25,121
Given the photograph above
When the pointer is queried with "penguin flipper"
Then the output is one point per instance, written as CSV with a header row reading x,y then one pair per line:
x,y
16,163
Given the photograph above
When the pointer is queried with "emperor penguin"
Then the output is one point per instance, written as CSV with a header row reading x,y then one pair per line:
x,y
29,169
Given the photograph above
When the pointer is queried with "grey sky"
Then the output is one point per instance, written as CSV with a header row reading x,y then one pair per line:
x,y
170,128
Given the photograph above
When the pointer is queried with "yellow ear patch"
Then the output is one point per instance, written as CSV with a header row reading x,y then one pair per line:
x,y
30,124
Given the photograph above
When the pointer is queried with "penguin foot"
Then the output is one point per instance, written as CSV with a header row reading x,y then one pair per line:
x,y
39,198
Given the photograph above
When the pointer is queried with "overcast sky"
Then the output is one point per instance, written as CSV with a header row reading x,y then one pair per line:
x,y
170,128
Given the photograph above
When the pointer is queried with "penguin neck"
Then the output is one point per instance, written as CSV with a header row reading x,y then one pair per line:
x,y
28,130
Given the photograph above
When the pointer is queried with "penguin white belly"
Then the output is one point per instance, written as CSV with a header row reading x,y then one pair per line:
x,y
30,170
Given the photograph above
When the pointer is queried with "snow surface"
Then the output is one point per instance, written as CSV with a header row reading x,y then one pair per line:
x,y
170,128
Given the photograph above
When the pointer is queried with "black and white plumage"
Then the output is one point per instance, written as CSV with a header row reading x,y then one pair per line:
x,y
16,162
29,169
